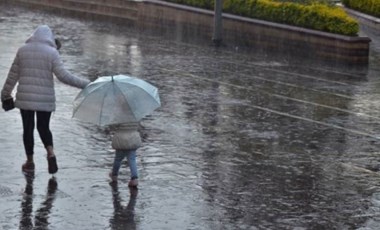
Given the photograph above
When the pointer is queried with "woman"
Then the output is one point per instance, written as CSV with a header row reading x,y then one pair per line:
x,y
33,68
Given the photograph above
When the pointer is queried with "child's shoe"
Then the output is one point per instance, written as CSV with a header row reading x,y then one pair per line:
x,y
113,178
133,183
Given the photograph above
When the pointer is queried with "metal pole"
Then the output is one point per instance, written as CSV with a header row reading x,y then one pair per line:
x,y
218,27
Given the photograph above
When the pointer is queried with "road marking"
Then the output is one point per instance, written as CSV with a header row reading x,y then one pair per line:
x,y
295,74
300,87
274,95
287,114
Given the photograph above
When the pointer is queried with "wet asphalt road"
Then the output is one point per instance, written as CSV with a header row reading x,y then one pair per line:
x,y
240,142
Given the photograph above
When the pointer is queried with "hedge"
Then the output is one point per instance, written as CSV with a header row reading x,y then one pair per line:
x,y
308,1
317,16
371,7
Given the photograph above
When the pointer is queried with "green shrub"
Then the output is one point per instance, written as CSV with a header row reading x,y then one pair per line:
x,y
317,16
314,16
308,1
371,7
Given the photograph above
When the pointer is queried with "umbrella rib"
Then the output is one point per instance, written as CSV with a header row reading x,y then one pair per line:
x,y
103,99
140,87
95,87
124,98
87,96
146,92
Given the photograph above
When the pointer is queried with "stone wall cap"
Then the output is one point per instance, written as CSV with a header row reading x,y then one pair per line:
x,y
179,6
373,19
264,23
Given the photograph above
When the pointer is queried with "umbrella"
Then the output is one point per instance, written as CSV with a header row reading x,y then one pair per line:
x,y
116,100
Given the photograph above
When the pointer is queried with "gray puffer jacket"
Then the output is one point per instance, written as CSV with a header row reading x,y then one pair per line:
x,y
33,69
126,137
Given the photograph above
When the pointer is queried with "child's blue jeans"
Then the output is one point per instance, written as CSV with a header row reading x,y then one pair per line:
x,y
131,157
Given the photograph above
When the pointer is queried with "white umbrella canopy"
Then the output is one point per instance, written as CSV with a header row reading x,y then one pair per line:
x,y
116,100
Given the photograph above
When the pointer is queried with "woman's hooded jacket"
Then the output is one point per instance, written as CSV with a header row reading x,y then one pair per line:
x,y
33,68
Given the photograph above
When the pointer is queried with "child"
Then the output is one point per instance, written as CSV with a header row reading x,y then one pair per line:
x,y
126,141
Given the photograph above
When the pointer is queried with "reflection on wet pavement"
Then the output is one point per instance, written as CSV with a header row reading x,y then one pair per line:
x,y
124,217
42,213
240,142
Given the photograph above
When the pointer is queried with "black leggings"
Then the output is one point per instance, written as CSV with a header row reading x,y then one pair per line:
x,y
43,121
